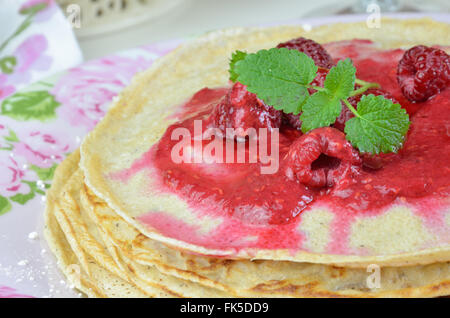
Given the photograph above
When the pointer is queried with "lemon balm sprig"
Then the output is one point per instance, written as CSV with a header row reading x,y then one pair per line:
x,y
282,77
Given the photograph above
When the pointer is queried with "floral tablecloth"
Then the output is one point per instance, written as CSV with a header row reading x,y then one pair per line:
x,y
35,40
43,123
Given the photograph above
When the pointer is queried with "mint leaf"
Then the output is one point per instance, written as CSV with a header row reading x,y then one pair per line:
x,y
340,80
320,110
235,57
278,76
39,105
282,77
379,126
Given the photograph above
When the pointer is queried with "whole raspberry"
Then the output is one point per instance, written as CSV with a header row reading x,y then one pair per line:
x,y
311,48
339,159
319,79
346,113
423,72
243,110
292,120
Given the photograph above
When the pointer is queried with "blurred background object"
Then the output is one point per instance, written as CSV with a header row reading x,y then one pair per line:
x,y
385,6
101,16
36,41
110,25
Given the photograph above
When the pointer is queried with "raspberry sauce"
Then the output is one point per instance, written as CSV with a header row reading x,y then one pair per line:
x,y
269,207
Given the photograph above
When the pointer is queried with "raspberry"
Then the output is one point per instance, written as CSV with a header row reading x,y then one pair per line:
x,y
322,143
311,48
243,110
292,121
423,72
346,113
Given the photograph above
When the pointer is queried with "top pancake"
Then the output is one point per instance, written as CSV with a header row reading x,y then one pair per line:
x,y
148,106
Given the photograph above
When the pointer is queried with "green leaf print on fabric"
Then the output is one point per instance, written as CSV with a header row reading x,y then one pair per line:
x,y
38,105
7,64
12,137
23,198
34,189
44,174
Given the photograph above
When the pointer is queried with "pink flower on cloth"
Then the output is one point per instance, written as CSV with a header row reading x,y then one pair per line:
x,y
5,89
13,172
30,57
35,54
86,91
42,149
8,292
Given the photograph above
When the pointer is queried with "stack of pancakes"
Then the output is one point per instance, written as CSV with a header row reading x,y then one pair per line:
x,y
94,218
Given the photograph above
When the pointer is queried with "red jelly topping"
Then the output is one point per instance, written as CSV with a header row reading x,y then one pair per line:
x,y
423,72
326,142
243,111
311,48
417,174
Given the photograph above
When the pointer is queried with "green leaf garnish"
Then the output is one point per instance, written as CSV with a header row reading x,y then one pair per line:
x,y
23,198
379,125
282,77
277,76
320,110
340,81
